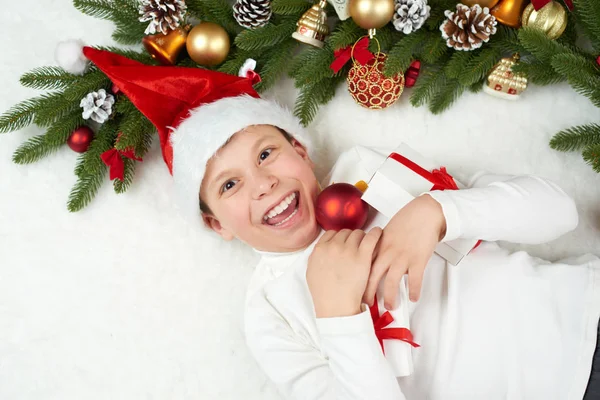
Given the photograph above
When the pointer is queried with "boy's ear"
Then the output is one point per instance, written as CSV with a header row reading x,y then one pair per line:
x,y
213,223
301,150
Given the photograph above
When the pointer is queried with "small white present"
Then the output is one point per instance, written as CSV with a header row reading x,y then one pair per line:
x,y
404,175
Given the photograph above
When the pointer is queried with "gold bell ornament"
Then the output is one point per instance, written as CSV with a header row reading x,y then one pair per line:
x,y
166,48
508,12
208,44
503,82
549,17
312,26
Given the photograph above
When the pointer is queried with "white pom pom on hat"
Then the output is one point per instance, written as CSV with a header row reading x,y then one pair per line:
x,y
69,56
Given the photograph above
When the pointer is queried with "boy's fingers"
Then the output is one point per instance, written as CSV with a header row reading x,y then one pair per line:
x,y
415,280
370,240
326,237
392,284
342,236
378,270
355,238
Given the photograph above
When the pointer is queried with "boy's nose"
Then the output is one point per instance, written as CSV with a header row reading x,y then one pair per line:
x,y
264,185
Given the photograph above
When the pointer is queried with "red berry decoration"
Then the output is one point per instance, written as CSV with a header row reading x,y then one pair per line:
x,y
80,139
340,206
370,88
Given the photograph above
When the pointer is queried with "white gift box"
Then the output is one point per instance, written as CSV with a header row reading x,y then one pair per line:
x,y
394,185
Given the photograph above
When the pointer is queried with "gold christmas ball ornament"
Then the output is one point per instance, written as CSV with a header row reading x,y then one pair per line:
x,y
208,44
551,19
371,14
483,3
312,26
166,48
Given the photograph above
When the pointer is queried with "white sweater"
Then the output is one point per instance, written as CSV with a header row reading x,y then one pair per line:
x,y
497,326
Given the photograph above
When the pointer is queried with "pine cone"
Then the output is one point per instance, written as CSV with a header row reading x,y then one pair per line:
x,y
468,27
252,13
97,106
164,15
410,15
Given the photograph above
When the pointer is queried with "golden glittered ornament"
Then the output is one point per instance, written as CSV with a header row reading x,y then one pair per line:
x,y
166,48
551,19
370,88
483,3
508,12
503,82
371,14
208,44
312,26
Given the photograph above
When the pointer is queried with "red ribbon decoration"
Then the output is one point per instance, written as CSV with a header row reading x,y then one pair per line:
x,y
253,76
361,54
381,321
537,4
113,158
440,178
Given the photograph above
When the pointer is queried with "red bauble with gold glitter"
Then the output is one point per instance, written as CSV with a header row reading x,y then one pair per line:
x,y
339,206
80,139
370,88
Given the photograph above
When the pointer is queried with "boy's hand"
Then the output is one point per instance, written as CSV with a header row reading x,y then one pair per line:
x,y
338,271
407,243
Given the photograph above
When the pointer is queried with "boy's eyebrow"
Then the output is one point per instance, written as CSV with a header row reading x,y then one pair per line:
x,y
254,148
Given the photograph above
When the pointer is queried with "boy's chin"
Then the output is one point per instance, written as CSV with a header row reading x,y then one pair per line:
x,y
289,240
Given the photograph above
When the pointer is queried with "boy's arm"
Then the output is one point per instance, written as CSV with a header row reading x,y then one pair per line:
x,y
520,209
350,367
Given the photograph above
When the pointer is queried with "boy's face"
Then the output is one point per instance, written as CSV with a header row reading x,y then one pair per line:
x,y
262,189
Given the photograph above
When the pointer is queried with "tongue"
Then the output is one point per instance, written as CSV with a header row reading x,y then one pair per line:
x,y
286,213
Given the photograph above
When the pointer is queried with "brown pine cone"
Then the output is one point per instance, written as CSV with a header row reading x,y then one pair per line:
x,y
252,13
468,27
164,15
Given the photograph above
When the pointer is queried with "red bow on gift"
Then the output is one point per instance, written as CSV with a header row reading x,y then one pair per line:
x,y
537,4
381,321
114,159
360,51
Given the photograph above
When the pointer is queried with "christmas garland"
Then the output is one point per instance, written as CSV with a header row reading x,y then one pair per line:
x,y
441,47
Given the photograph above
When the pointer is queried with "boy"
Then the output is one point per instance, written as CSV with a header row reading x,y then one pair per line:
x,y
499,326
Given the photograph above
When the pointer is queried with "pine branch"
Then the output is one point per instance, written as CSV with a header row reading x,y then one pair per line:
x,y
403,53
290,7
576,138
41,146
121,186
428,84
311,66
91,82
479,66
434,47
268,36
102,9
104,140
312,95
236,59
19,116
477,86
217,11
52,107
85,190
581,74
506,40
448,92
588,14
275,64
386,36
134,127
591,155
48,78
345,34
537,43
458,62
140,56
538,73
126,17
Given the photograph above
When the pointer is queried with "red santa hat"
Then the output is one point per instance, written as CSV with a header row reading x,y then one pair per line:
x,y
195,112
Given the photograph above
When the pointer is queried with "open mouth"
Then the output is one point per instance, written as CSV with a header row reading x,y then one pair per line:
x,y
284,211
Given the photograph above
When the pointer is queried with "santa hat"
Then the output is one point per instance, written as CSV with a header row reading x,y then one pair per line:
x,y
195,112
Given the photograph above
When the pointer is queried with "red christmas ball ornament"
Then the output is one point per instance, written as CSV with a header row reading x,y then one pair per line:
x,y
412,73
370,88
340,206
80,139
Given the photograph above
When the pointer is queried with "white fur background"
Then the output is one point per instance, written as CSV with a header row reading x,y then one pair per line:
x,y
125,300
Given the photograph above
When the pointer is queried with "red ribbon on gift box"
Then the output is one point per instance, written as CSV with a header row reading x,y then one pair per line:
x,y
360,52
380,322
537,4
113,158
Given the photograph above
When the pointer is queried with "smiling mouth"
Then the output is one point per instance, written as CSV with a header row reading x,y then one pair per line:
x,y
284,211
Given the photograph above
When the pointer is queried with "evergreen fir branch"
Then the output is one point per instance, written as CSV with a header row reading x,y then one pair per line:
x,y
217,11
538,73
588,14
449,90
124,106
345,34
41,146
103,140
121,186
312,96
275,64
576,138
48,78
403,53
85,190
102,9
581,74
311,66
537,43
129,33
52,107
140,56
236,59
386,37
268,36
591,155
429,82
19,116
477,86
91,82
134,127
437,16
434,47
479,66
458,62
506,40
290,7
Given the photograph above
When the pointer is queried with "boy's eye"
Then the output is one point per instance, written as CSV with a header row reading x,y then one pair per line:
x,y
264,154
227,186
